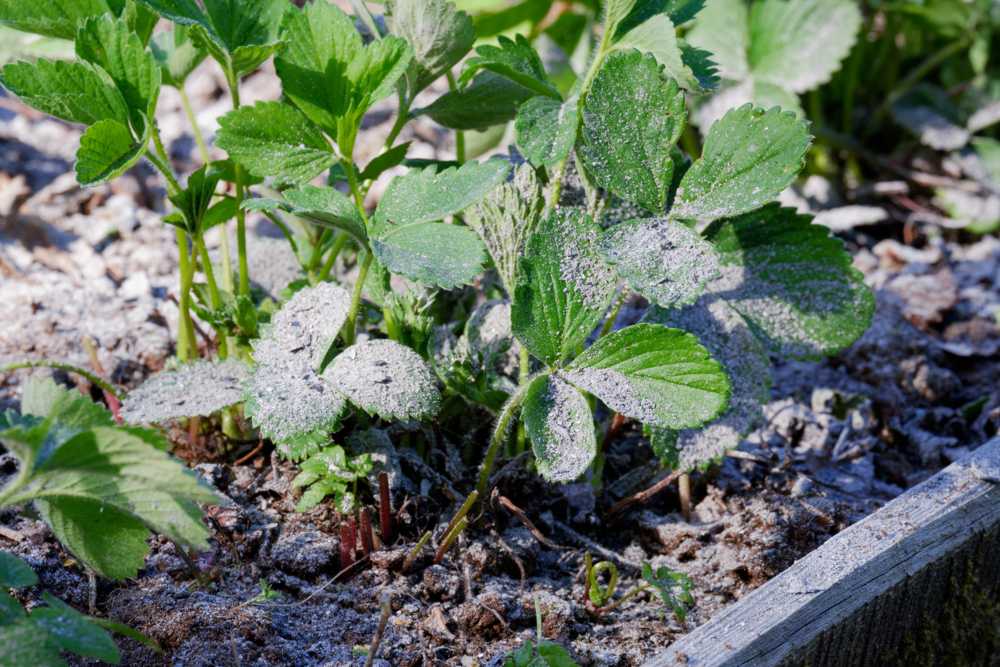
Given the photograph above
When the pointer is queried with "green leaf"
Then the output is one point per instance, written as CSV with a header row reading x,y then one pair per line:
x,y
201,388
11,612
558,420
723,29
677,11
750,156
15,573
373,73
110,44
427,195
547,129
666,261
239,34
74,632
286,398
277,140
701,63
439,34
506,218
327,207
799,44
385,379
72,91
632,117
616,11
489,100
321,41
432,253
674,588
70,410
660,376
107,150
728,338
54,18
22,643
176,54
126,631
658,37
555,655
513,59
792,281
564,286
385,161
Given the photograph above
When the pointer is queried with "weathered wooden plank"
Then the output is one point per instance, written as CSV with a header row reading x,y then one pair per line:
x,y
869,594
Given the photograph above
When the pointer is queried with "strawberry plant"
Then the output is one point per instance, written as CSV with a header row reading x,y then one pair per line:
x,y
597,203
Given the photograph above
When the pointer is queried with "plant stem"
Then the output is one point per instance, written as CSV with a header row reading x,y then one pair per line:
x,y
684,490
510,409
199,138
241,215
186,345
628,596
401,119
609,322
331,260
350,332
459,134
69,368
213,290
317,252
411,557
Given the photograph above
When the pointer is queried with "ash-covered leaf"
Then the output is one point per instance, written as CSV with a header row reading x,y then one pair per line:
x,y
514,59
286,397
660,376
547,129
275,139
506,218
799,44
386,379
432,253
488,333
729,339
658,37
564,286
439,33
326,206
489,100
664,260
428,195
561,427
632,117
750,156
792,281
201,388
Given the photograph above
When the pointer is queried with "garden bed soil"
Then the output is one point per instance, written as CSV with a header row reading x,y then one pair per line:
x,y
843,437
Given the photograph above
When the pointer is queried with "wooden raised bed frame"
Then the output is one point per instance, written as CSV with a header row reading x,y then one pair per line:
x,y
917,582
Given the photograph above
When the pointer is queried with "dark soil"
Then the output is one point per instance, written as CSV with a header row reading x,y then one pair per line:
x,y
843,436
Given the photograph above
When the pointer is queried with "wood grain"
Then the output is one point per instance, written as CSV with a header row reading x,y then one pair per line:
x,y
866,595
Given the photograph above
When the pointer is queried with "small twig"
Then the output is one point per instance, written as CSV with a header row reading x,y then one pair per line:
x,y
114,404
59,366
252,453
385,508
411,557
348,541
513,556
684,490
367,535
91,592
617,424
12,535
645,495
386,606
523,518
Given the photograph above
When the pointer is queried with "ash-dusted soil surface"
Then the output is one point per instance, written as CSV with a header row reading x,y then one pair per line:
x,y
843,436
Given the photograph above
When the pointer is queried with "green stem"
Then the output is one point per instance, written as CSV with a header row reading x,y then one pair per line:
x,y
510,409
402,119
69,368
628,596
186,345
331,260
350,332
213,289
241,215
459,134
609,323
317,252
199,138
163,165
